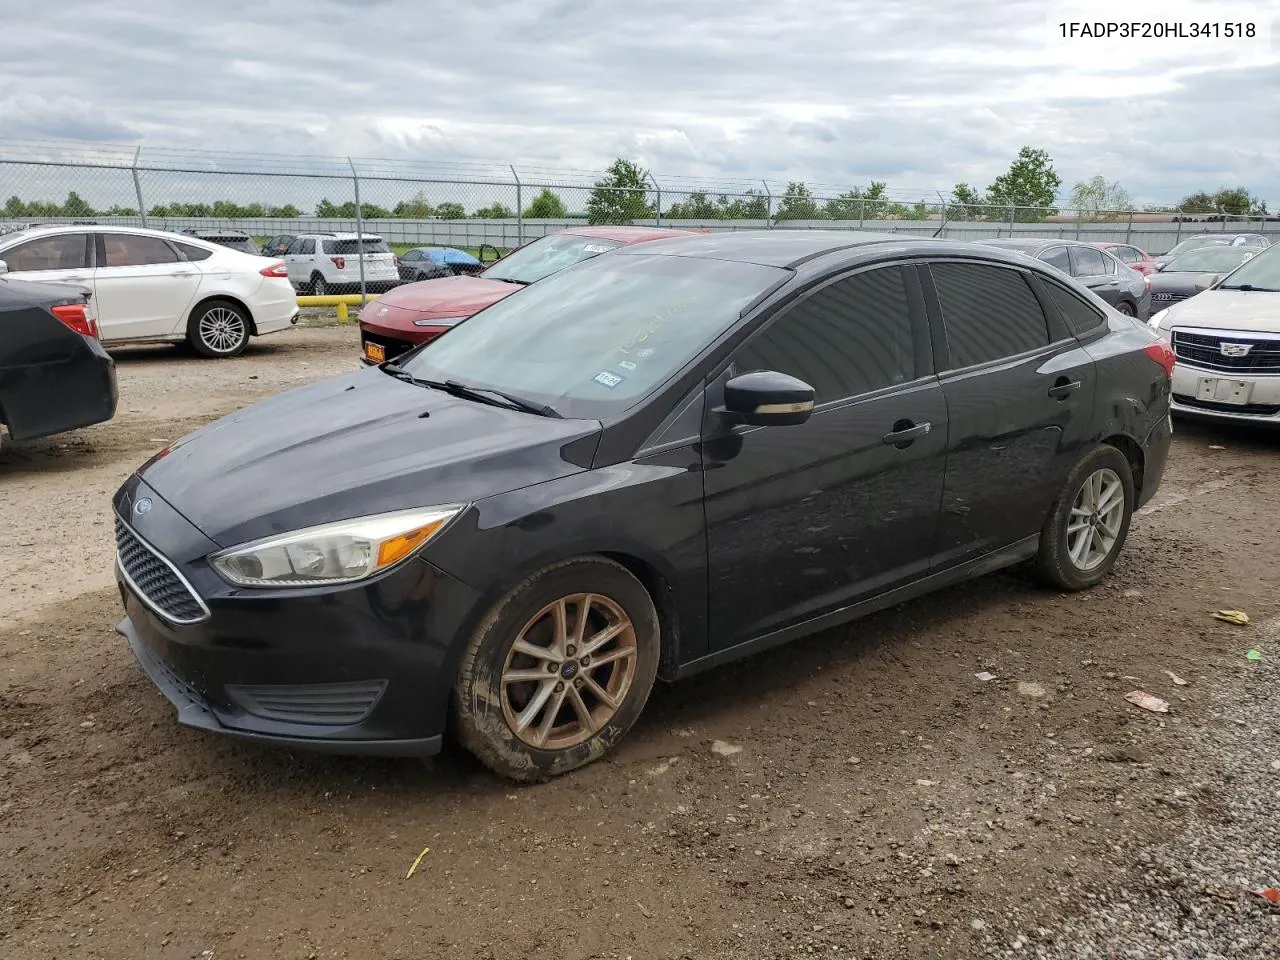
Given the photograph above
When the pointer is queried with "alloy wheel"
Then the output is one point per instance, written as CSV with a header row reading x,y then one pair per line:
x,y
1097,515
222,329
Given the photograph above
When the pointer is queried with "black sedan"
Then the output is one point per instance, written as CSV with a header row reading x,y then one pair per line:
x,y
1176,280
54,374
1124,288
656,461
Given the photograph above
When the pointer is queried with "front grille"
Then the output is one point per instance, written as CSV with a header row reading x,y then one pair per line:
x,y
467,269
1167,297
333,704
157,583
1205,350
1256,409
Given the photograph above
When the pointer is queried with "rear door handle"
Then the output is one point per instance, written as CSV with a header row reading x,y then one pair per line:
x,y
1064,388
905,432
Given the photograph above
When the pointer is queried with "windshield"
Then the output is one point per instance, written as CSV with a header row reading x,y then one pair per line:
x,y
350,247
1195,243
592,341
551,254
1209,260
1260,272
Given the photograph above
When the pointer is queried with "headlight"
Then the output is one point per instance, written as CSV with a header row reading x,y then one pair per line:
x,y
439,322
341,552
1154,321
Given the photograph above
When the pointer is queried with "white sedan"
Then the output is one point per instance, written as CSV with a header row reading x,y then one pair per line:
x,y
151,286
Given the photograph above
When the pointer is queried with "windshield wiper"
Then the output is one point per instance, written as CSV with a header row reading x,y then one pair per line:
x,y
400,373
519,283
1249,287
495,398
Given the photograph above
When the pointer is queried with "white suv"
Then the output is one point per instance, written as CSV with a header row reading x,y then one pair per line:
x,y
152,286
323,263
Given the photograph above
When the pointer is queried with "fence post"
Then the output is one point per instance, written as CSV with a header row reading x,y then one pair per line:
x,y
355,179
1079,214
519,207
1128,231
1177,237
1013,208
658,190
768,205
862,213
137,185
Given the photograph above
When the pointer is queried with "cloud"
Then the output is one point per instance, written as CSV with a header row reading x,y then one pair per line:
x,y
832,92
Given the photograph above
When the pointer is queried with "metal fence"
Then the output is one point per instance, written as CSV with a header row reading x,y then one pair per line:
x,y
466,205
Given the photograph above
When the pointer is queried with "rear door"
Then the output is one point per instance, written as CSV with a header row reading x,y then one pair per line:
x,y
1019,392
142,286
802,520
298,259
56,258
1097,272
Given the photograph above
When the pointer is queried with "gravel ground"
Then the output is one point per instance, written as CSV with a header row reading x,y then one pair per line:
x,y
859,793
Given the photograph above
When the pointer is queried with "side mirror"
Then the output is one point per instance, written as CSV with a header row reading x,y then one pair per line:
x,y
1207,280
1160,267
767,398
4,267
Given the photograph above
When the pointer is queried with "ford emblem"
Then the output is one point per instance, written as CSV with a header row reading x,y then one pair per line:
x,y
142,507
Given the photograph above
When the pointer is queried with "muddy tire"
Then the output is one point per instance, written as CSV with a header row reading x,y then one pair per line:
x,y
1088,523
558,671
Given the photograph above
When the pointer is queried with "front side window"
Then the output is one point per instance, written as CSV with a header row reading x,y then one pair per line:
x,y
129,250
65,251
1057,257
849,338
546,256
988,312
594,340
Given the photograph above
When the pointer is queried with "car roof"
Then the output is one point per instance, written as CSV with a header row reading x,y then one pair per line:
x,y
55,228
627,234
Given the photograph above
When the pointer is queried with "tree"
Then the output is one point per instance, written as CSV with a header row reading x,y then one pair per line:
x,y
857,204
798,204
546,206
76,207
696,207
450,211
621,196
1030,185
416,208
494,211
287,212
1232,201
1096,199
966,203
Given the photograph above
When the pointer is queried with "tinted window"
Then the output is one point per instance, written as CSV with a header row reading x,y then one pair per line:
x,y
411,255
308,246
194,253
1109,263
127,250
1057,257
850,337
1089,262
989,312
1127,254
63,252
1080,316
352,247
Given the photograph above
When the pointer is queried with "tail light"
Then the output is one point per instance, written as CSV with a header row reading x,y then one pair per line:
x,y
275,270
1162,353
78,316
339,262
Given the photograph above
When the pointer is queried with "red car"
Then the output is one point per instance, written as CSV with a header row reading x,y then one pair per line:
x,y
418,312
1135,258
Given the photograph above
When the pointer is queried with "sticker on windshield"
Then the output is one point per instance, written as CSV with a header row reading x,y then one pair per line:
x,y
645,354
595,248
607,379
626,365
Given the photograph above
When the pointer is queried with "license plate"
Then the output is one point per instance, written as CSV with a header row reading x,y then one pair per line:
x,y
1217,390
375,352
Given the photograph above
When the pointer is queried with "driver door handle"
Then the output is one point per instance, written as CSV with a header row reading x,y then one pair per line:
x,y
905,432
1063,388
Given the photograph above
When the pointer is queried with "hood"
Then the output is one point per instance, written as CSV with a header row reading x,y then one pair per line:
x,y
353,446
446,297
1243,310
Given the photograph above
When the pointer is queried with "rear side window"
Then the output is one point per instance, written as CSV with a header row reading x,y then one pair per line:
x,y
128,250
1127,254
988,312
1081,318
194,253
1089,262
849,338
66,251
352,247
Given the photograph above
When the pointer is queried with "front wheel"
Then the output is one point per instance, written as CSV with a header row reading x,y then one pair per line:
x,y
217,329
1089,521
1124,307
558,671
318,287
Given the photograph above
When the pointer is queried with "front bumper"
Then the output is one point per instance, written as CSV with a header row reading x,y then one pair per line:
x,y
361,669
1217,395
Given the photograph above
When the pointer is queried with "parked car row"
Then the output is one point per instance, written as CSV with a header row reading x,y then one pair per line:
x,y
647,455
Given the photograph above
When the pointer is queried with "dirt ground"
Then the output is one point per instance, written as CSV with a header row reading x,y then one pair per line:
x,y
883,803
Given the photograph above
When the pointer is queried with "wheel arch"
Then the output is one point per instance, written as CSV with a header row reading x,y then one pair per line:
x,y
228,298
1132,451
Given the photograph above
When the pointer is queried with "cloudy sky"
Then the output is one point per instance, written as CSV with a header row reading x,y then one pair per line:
x,y
840,92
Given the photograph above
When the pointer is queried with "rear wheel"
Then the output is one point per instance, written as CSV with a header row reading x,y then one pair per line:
x,y
318,287
558,671
1126,308
1089,521
218,328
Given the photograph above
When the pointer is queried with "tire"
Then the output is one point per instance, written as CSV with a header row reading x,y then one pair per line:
x,y
218,329
318,287
1126,308
1057,563
584,726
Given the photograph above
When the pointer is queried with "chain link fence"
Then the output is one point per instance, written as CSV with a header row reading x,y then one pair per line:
x,y
467,205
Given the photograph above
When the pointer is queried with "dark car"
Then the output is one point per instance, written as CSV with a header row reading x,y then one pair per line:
x,y
431,263
653,462
1176,280
1250,241
1125,289
278,245
54,374
232,239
